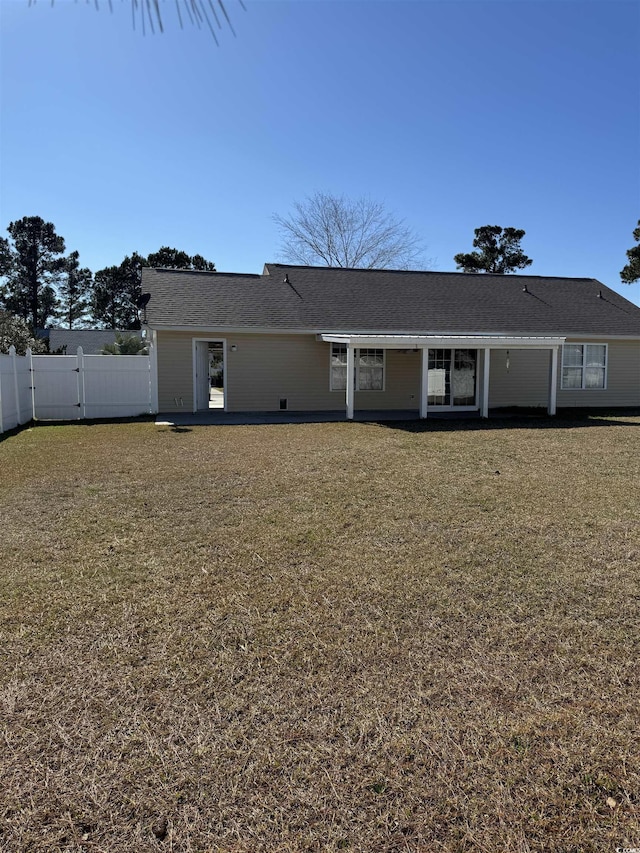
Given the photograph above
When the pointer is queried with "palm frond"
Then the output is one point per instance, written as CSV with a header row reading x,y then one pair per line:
x,y
149,14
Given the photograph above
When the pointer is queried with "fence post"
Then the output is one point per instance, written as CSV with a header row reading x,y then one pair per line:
x,y
16,388
1,417
32,383
81,388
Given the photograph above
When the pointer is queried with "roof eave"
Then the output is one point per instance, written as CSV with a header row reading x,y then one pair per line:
x,y
462,341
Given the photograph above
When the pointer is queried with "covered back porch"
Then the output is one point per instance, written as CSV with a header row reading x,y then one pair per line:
x,y
455,370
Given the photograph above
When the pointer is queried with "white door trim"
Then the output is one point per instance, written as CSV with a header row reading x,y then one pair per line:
x,y
194,362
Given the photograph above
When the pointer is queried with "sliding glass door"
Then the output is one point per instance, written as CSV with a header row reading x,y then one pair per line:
x,y
452,378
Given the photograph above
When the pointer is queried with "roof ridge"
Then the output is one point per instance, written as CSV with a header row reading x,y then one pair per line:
x,y
205,272
505,276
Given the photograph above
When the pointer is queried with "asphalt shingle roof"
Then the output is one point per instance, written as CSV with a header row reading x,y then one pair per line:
x,y
91,340
385,301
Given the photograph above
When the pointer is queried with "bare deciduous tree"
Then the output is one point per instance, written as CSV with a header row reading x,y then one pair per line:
x,y
334,231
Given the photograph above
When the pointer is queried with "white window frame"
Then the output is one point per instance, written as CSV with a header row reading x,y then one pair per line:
x,y
357,368
583,366
331,365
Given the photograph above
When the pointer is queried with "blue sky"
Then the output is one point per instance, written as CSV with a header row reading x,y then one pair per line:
x,y
453,113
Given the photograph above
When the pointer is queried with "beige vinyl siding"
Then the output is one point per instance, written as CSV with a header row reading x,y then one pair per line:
x,y
401,384
524,383
261,371
265,369
175,371
623,378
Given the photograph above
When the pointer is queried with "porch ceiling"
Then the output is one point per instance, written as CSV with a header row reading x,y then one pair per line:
x,y
460,341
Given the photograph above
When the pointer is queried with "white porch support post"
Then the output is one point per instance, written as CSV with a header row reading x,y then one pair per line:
x,y
351,379
484,408
553,381
424,383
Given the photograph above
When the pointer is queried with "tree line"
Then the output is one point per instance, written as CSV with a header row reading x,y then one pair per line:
x,y
43,285
333,230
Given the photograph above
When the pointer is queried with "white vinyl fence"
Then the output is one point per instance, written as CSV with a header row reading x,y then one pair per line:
x,y
16,405
73,387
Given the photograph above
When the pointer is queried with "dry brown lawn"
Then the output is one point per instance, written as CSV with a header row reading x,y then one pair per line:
x,y
321,637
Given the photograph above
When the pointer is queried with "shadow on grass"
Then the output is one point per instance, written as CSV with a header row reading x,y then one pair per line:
x,y
572,419
9,433
88,423
449,422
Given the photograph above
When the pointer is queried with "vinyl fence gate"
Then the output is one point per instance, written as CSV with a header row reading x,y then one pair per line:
x,y
74,387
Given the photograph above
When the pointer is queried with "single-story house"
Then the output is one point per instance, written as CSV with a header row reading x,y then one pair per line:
x,y
321,339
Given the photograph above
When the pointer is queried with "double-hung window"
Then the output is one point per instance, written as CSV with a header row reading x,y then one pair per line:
x,y
584,366
369,365
370,369
338,367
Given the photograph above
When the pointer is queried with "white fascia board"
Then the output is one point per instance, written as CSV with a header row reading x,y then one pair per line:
x,y
231,330
574,336
444,341
342,337
577,336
